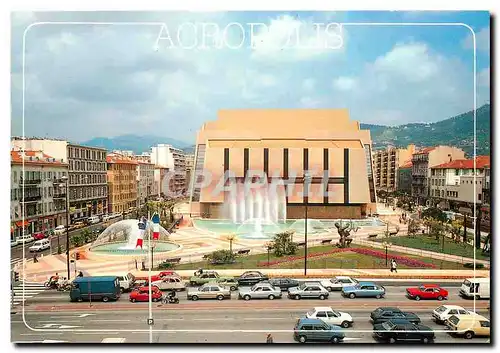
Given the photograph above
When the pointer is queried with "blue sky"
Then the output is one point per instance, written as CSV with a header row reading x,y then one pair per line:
x,y
85,81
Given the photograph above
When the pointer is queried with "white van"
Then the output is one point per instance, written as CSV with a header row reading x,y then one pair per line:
x,y
126,281
93,220
476,287
40,245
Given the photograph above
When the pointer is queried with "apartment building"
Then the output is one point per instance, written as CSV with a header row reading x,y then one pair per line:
x,y
189,171
386,163
172,159
423,160
145,182
38,193
458,181
122,183
404,177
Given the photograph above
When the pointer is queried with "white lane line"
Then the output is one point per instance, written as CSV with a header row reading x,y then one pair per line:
x,y
97,333
41,334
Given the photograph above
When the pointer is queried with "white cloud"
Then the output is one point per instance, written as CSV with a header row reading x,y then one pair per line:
x,y
344,83
309,102
308,84
483,78
61,42
482,40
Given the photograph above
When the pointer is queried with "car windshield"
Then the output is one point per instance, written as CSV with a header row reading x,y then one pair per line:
x,y
302,286
454,320
336,313
441,309
378,310
253,288
466,283
310,313
421,288
388,325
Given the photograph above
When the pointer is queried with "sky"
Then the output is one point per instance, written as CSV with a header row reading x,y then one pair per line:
x,y
101,80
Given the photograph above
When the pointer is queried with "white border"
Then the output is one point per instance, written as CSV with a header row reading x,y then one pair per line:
x,y
150,330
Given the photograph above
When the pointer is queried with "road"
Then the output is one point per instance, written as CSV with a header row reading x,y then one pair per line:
x,y
209,321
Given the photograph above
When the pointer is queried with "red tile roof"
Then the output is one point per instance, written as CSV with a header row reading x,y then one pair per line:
x,y
34,158
119,159
425,150
406,164
481,162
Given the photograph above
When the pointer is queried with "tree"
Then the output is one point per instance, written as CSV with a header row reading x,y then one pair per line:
x,y
231,237
87,235
282,244
413,227
220,257
437,228
77,240
434,213
455,229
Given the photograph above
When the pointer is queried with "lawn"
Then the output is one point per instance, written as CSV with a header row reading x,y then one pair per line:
x,y
425,242
345,260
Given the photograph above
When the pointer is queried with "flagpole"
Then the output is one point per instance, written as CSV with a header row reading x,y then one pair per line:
x,y
149,282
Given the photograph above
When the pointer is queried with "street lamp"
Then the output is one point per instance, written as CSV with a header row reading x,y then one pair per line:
x,y
66,179
307,180
387,245
269,246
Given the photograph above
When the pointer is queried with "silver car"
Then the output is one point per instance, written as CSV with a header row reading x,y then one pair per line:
x,y
308,290
260,291
209,291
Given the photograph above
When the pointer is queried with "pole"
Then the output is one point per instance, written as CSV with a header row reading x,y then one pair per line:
x,y
67,227
268,249
149,285
305,246
386,256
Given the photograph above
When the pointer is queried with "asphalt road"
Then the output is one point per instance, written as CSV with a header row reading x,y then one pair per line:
x,y
51,316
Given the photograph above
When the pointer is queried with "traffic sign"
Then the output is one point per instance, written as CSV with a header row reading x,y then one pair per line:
x,y
151,322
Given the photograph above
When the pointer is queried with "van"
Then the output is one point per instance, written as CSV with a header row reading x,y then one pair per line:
x,y
469,325
475,287
40,245
126,281
93,220
103,288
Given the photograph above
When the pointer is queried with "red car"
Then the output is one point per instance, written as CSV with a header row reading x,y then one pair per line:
x,y
162,274
39,236
141,294
427,291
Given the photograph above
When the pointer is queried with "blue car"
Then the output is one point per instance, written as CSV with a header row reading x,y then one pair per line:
x,y
317,330
364,290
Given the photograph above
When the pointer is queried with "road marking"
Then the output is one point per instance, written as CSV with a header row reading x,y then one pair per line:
x,y
41,333
85,315
59,326
104,320
96,333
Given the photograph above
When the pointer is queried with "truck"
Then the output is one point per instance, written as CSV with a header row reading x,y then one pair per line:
x,y
103,288
476,287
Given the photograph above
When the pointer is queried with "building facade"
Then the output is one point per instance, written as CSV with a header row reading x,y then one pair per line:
x,y
189,171
457,181
145,182
172,159
287,158
38,194
122,183
386,163
422,161
404,177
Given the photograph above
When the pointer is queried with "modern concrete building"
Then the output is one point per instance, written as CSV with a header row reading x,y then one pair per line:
x,y
423,160
386,163
277,154
189,171
122,183
37,194
145,182
454,181
404,177
173,159
87,172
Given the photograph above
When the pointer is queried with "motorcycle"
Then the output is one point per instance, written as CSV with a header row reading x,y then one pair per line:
x,y
169,300
51,284
64,287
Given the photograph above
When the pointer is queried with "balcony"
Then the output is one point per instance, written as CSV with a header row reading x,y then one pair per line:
x,y
30,181
28,199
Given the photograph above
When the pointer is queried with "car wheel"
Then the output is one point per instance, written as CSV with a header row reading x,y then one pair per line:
x,y
378,296
477,297
271,297
352,295
329,289
80,299
469,334
345,324
302,339
132,300
122,289
220,297
246,297
440,298
194,298
297,297
425,340
392,340
417,298
335,340
105,299
322,297
233,288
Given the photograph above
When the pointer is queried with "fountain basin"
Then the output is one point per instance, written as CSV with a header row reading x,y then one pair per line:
x,y
121,248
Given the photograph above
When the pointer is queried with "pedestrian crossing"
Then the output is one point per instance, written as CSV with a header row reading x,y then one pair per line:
x,y
16,261
30,289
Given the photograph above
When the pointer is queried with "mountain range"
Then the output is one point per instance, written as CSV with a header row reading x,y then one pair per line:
x,y
456,131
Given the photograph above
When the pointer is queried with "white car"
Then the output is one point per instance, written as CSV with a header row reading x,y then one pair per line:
x,y
330,316
338,283
13,242
60,229
170,283
40,245
27,238
444,312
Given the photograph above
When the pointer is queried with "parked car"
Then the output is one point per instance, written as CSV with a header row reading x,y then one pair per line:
x,y
316,330
40,236
260,291
427,291
96,288
209,291
338,282
207,276
13,242
249,278
141,294
162,274
230,283
402,330
364,290
444,312
384,314
40,245
127,281
330,316
61,229
27,238
469,325
170,283
284,283
475,287
308,290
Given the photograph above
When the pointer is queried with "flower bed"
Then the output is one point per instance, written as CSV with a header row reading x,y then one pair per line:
x,y
374,253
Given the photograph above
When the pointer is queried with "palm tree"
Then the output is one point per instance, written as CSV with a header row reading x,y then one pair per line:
x,y
231,237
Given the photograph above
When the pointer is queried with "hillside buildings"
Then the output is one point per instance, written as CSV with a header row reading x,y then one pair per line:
x,y
294,149
122,183
37,194
386,164
173,161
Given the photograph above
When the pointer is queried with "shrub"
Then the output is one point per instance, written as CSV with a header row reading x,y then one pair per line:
x,y
282,244
221,257
471,265
165,265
